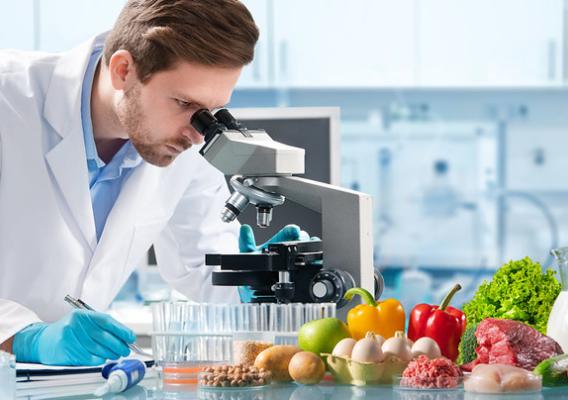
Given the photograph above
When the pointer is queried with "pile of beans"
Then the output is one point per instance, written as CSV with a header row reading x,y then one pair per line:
x,y
234,376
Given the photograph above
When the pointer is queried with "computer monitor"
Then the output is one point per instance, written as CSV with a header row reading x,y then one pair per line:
x,y
315,129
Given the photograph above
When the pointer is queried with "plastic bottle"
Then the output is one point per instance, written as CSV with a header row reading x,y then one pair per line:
x,y
121,376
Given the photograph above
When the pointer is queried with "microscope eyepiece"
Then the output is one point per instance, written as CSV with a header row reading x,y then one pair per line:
x,y
206,124
227,119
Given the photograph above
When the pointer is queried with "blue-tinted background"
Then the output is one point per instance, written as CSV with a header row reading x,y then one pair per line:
x,y
453,116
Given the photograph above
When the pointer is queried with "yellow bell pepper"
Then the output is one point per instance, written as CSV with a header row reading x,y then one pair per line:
x,y
383,318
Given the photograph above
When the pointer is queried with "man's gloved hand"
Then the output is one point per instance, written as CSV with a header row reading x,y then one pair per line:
x,y
82,337
247,244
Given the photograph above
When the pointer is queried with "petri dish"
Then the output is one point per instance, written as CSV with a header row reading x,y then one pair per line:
x,y
433,384
180,373
233,377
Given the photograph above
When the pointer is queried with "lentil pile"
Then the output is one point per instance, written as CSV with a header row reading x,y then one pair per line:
x,y
245,351
234,376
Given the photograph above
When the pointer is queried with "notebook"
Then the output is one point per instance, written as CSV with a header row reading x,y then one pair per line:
x,y
40,376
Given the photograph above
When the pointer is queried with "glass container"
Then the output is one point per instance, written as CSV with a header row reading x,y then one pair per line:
x,y
557,327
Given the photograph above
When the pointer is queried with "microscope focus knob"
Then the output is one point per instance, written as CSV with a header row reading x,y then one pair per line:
x,y
330,285
322,289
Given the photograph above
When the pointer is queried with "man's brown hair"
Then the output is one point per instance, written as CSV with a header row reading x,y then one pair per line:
x,y
159,33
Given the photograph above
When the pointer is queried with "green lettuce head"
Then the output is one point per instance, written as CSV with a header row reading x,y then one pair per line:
x,y
520,291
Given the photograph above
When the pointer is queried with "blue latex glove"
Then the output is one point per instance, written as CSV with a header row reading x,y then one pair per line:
x,y
82,337
247,244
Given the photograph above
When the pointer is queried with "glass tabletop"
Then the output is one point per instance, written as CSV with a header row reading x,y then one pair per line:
x,y
150,389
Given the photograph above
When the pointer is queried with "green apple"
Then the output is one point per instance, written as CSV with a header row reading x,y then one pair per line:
x,y
321,335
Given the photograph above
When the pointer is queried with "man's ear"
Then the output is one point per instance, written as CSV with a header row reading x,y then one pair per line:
x,y
122,70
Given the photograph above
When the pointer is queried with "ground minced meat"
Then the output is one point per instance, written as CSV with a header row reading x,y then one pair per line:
x,y
438,373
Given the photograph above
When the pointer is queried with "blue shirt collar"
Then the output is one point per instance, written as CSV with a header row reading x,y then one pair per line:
x,y
94,162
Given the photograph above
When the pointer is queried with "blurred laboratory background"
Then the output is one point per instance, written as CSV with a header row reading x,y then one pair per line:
x,y
453,115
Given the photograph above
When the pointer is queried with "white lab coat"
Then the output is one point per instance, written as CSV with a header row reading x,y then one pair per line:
x,y
48,245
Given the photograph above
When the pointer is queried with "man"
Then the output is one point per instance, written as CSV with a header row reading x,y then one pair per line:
x,y
94,169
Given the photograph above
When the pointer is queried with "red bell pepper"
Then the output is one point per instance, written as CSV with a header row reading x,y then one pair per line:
x,y
444,324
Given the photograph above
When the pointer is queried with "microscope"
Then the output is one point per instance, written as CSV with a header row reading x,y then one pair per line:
x,y
262,171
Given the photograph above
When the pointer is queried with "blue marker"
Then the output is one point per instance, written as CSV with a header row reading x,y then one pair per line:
x,y
121,376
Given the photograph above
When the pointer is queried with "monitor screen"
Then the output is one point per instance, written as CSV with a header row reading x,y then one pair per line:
x,y
316,130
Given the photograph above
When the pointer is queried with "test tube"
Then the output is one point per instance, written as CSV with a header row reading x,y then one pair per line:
x,y
7,376
280,318
263,317
298,316
308,312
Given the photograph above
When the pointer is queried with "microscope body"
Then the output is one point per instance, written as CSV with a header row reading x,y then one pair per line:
x,y
262,174
347,230
252,153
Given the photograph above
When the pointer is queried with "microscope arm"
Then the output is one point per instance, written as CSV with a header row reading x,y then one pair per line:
x,y
265,168
347,226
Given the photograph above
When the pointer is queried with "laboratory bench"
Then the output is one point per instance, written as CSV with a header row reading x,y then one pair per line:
x,y
150,389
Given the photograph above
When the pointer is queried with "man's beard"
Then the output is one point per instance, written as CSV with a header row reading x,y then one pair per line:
x,y
130,116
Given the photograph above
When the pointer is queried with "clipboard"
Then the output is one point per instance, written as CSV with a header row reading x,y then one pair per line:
x,y
26,371
37,375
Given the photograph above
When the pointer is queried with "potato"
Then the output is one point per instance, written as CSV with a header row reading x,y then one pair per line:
x,y
276,359
306,368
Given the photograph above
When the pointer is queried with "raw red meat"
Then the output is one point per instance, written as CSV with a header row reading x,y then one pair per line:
x,y
431,374
504,341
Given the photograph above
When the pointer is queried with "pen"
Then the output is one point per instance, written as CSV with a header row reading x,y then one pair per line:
x,y
81,305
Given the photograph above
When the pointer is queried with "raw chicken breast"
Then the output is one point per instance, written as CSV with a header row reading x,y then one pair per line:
x,y
500,378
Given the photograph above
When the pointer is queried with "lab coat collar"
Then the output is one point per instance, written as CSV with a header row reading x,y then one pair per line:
x,y
67,159
64,91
